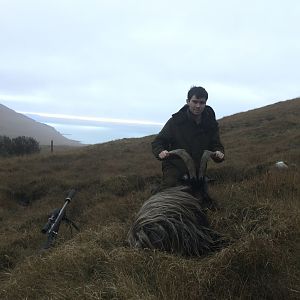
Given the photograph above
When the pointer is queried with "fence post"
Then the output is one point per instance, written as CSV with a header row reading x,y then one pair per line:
x,y
51,146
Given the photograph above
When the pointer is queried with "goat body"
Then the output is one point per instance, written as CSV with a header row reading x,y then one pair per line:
x,y
173,220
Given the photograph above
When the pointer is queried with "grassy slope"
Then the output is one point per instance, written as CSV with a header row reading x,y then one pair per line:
x,y
259,213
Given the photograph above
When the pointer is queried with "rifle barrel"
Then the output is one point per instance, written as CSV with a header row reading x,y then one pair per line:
x,y
71,194
56,223
55,220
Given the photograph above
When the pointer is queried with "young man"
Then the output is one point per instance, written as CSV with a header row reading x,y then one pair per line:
x,y
193,128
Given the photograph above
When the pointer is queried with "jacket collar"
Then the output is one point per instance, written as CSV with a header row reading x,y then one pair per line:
x,y
182,115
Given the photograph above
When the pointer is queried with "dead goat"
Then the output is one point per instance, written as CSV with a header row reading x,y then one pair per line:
x,y
173,220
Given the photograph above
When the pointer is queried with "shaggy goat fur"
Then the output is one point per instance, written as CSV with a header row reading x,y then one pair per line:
x,y
173,220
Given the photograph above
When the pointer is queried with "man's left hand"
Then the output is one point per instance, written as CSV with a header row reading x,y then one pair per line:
x,y
218,156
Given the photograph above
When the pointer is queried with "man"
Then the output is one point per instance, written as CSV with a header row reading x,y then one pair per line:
x,y
193,128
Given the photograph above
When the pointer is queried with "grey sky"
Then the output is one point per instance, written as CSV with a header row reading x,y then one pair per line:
x,y
136,60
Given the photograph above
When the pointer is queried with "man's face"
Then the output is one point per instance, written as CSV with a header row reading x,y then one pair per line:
x,y
196,105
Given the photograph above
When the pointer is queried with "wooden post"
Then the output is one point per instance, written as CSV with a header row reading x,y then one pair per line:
x,y
51,146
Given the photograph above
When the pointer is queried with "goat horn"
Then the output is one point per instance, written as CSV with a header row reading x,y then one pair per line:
x,y
187,160
203,164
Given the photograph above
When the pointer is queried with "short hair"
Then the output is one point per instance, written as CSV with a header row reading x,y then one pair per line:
x,y
197,91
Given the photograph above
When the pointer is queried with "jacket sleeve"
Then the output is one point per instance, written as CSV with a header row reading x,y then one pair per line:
x,y
162,140
215,141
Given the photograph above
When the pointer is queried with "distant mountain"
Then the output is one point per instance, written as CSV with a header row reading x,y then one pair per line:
x,y
13,124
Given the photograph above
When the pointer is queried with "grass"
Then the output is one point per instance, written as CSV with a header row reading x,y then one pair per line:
x,y
259,214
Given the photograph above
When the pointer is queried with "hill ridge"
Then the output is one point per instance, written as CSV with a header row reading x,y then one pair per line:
x,y
13,124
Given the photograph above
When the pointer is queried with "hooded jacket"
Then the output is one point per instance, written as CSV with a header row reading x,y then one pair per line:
x,y
182,132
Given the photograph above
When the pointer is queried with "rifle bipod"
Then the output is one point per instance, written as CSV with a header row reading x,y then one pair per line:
x,y
58,215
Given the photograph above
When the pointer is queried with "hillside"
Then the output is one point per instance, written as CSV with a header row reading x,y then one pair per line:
x,y
13,124
259,214
276,126
262,136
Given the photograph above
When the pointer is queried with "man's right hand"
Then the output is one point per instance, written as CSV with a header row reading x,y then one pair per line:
x,y
163,154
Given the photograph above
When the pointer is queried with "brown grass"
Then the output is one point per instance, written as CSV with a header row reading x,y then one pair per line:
x,y
259,214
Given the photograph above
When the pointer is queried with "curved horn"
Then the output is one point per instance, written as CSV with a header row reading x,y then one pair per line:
x,y
203,164
187,160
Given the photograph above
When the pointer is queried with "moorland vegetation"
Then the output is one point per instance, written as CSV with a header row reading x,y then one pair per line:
x,y
259,214
20,145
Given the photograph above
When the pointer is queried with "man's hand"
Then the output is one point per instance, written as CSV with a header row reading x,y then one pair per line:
x,y
163,154
218,156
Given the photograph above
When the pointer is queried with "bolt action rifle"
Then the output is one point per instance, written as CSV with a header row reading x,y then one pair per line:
x,y
56,217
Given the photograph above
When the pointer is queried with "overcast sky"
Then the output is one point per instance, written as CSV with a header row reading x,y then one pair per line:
x,y
112,62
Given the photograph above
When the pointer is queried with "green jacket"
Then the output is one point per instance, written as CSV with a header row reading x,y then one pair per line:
x,y
182,132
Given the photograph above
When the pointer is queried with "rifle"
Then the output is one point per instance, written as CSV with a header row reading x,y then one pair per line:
x,y
55,219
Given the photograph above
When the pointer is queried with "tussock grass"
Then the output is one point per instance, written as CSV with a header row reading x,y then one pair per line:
x,y
259,214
